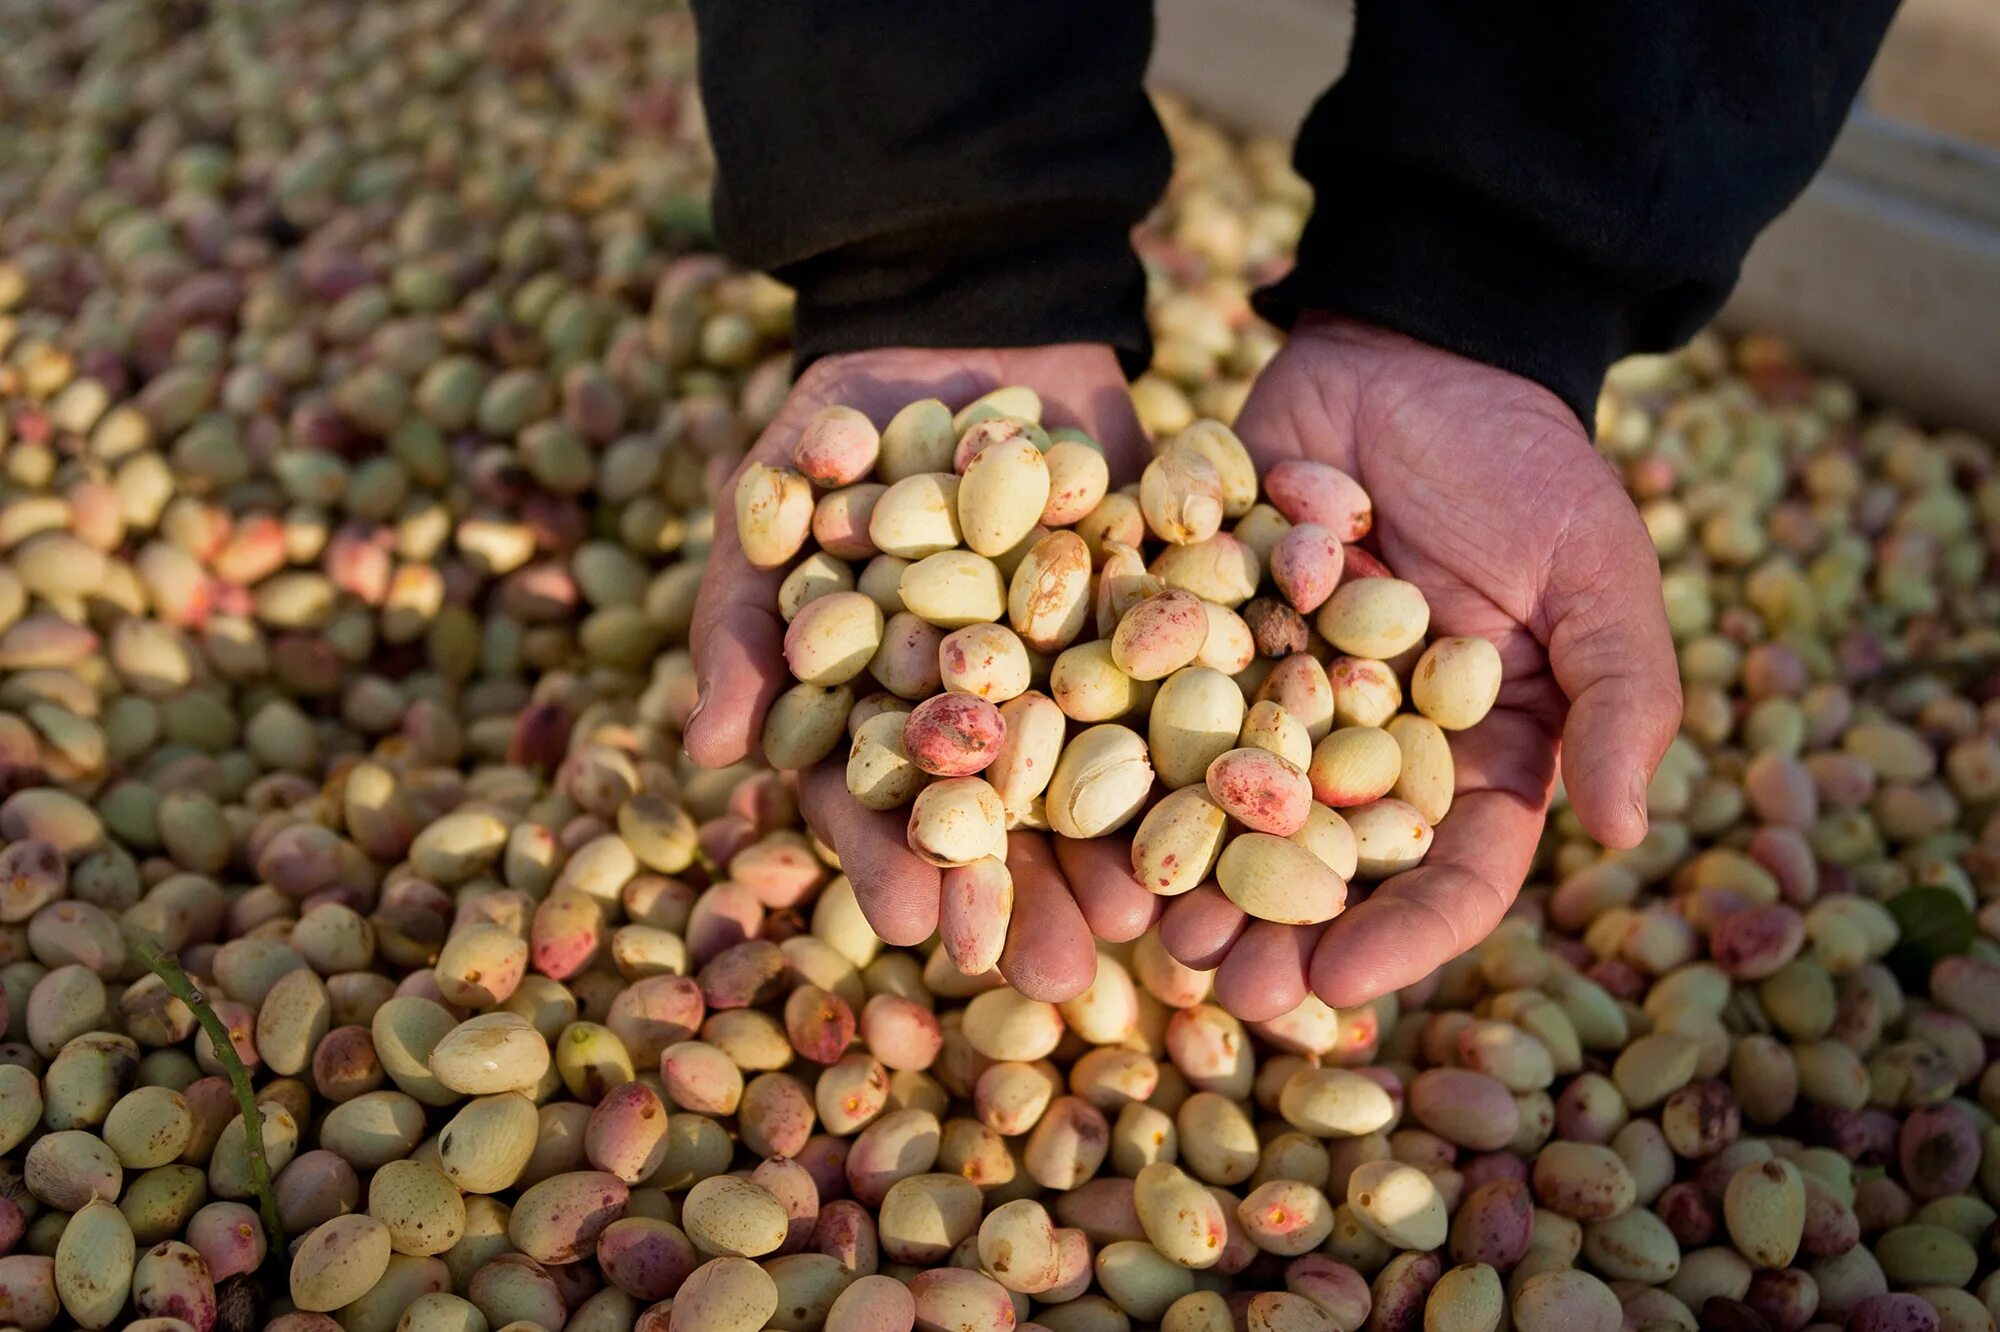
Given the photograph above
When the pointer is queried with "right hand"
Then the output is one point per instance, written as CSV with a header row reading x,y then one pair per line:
x,y
1489,497
1064,891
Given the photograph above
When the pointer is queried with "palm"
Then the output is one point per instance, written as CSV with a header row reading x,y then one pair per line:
x,y
1487,496
1064,891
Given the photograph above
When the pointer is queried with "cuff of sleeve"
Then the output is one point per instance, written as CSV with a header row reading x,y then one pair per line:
x,y
1021,291
1470,286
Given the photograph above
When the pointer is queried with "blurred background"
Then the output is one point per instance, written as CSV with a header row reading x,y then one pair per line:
x,y
1937,70
1887,269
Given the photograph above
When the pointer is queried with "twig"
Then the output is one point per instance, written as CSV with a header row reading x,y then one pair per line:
x,y
182,988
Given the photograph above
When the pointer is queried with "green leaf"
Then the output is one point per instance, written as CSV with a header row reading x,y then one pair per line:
x,y
1932,923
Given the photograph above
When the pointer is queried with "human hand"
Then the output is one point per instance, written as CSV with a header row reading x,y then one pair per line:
x,y
1064,891
1489,497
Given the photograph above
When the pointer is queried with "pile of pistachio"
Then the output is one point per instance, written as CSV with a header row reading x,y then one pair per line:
x,y
364,382
967,598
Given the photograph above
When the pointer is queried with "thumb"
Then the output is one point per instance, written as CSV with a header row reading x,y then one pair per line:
x,y
1612,654
737,641
738,669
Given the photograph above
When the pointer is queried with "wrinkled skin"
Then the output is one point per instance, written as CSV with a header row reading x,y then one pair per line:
x,y
1064,891
1488,496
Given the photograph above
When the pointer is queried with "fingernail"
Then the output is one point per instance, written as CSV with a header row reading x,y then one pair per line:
x,y
1637,799
700,702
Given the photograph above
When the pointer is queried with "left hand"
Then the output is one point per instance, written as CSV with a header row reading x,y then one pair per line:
x,y
1064,891
1489,497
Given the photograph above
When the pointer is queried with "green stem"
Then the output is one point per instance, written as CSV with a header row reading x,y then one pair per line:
x,y
169,970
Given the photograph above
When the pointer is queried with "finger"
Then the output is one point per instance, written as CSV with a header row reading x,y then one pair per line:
x,y
739,660
1049,954
1264,975
1199,927
1099,872
736,636
1417,921
897,889
1612,653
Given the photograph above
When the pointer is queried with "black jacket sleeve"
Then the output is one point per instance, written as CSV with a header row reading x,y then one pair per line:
x,y
1546,187
938,172
1542,187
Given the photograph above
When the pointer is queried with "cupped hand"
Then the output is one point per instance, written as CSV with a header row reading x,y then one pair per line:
x,y
1064,892
1489,497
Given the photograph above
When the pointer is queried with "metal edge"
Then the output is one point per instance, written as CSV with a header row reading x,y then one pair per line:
x,y
1898,294
1956,175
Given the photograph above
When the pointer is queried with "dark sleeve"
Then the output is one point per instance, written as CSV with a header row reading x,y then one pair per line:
x,y
943,173
1546,187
